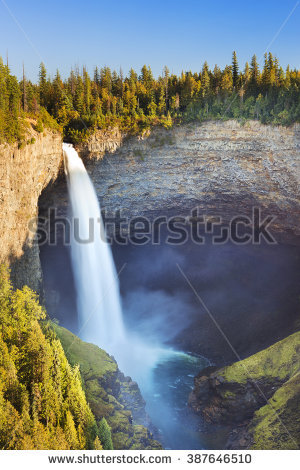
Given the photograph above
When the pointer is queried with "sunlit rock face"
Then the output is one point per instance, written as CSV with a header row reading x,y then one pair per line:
x,y
223,168
101,142
24,173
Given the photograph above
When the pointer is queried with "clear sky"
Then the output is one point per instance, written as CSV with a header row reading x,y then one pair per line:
x,y
123,33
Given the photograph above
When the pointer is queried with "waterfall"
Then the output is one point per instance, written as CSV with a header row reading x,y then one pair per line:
x,y
96,280
98,299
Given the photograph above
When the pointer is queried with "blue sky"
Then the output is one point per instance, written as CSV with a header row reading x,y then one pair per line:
x,y
181,34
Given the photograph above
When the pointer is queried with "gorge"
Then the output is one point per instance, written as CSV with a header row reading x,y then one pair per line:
x,y
224,169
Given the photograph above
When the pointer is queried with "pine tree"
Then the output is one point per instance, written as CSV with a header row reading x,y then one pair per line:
x,y
166,74
70,431
271,70
227,82
79,103
235,70
105,435
205,79
265,76
43,85
253,84
97,444
24,86
87,90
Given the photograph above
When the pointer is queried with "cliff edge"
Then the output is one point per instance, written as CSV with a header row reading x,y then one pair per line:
x,y
24,173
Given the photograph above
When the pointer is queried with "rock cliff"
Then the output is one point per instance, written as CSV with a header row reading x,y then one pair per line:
x,y
101,142
224,168
259,397
24,173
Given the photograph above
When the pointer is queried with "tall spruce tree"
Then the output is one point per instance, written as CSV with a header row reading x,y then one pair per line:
x,y
235,70
105,435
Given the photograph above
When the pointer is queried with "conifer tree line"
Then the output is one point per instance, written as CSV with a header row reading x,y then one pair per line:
x,y
42,402
82,103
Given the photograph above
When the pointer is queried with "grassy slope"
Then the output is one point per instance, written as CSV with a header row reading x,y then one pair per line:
x,y
102,386
281,360
277,424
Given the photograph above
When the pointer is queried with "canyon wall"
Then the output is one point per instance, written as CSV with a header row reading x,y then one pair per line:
x,y
24,173
223,168
101,142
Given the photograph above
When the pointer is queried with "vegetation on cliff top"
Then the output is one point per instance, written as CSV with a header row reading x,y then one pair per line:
x,y
81,104
280,361
277,424
42,403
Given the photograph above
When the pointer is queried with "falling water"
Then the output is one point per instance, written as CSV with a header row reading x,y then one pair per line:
x,y
101,320
98,298
99,308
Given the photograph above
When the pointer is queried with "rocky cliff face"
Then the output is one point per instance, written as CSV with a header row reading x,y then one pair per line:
x,y
101,142
24,173
223,168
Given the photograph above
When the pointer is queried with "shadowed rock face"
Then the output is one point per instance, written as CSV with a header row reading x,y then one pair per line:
x,y
24,173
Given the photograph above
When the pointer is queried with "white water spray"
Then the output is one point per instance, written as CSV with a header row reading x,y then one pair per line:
x,y
98,298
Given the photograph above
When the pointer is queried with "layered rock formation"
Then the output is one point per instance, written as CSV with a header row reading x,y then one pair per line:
x,y
24,173
223,168
101,142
